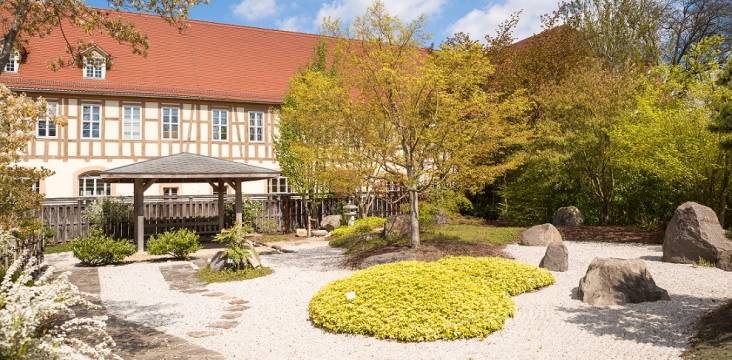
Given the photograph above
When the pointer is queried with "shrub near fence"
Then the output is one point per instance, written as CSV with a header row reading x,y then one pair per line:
x,y
279,213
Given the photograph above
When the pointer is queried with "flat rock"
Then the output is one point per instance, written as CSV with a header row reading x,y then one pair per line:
x,y
556,257
238,302
214,294
611,281
694,233
301,232
200,334
319,232
386,258
540,235
236,308
223,324
231,316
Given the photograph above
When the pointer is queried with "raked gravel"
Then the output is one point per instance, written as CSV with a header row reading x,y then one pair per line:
x,y
549,324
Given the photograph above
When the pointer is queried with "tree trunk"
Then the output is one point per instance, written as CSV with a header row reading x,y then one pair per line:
x,y
414,216
307,214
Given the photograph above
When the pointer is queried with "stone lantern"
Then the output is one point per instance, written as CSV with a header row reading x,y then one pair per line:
x,y
350,211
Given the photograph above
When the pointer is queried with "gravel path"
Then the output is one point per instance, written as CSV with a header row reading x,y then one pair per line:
x,y
549,323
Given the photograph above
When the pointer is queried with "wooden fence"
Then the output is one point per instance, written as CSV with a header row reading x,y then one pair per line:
x,y
33,245
277,213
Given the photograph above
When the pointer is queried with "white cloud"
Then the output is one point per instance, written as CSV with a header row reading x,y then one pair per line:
x,y
293,23
255,9
407,10
479,22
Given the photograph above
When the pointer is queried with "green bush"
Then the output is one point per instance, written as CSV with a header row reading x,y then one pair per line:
x,y
208,276
453,298
360,226
98,249
104,211
179,243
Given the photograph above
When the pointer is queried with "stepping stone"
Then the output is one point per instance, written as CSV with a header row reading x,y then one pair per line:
x,y
215,293
223,324
193,291
228,297
236,308
238,302
200,334
231,316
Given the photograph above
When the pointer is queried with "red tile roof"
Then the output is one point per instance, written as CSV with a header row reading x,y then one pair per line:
x,y
207,61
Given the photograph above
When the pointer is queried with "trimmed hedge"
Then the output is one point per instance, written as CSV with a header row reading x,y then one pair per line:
x,y
360,226
453,298
178,243
98,249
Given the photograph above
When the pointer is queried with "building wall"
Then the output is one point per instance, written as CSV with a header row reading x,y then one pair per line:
x,y
68,155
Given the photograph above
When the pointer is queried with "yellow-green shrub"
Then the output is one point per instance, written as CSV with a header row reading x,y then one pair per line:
x,y
359,226
455,298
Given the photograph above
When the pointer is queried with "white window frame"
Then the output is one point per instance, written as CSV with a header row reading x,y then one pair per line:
x,y
97,184
256,127
95,68
48,121
167,120
274,185
131,125
13,65
217,125
91,121
171,189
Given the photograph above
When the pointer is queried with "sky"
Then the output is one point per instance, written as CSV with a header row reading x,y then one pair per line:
x,y
475,17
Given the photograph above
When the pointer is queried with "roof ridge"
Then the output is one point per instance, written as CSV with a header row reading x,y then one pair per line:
x,y
209,22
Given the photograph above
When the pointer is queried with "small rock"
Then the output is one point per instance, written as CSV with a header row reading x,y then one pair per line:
x,y
540,235
238,302
200,334
331,222
223,324
214,294
319,232
568,216
218,261
301,232
555,258
611,281
386,258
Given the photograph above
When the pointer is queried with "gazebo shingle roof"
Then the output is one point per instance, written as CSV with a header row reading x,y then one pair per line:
x,y
187,166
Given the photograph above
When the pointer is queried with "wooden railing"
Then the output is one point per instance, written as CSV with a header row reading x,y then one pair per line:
x,y
279,213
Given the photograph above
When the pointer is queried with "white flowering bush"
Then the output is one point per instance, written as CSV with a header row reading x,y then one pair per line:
x,y
38,318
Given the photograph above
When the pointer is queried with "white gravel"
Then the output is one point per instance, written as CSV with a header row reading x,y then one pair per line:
x,y
549,324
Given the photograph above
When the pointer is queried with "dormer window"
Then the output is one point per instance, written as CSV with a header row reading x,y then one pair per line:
x,y
95,68
13,63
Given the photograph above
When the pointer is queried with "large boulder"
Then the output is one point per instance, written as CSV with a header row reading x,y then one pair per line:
x,y
611,281
540,235
556,257
695,233
568,216
331,222
398,226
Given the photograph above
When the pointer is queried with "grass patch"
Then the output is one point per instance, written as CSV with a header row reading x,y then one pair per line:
x,y
452,298
476,234
267,238
208,276
713,339
57,248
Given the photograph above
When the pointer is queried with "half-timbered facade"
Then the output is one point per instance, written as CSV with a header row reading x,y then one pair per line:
x,y
212,89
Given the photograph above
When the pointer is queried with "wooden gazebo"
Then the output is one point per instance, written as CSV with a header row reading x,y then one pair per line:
x,y
185,168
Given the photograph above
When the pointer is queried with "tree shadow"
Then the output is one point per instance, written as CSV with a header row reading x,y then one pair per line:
x,y
666,323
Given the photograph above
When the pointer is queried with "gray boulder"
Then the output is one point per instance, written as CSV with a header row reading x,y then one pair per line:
x,y
695,233
331,222
556,257
218,261
540,235
611,281
387,258
725,261
397,226
568,216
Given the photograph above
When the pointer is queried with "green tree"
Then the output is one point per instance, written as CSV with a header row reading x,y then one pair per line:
x,y
424,115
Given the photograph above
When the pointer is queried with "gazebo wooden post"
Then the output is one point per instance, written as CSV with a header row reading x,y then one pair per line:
x,y
139,210
222,211
237,200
